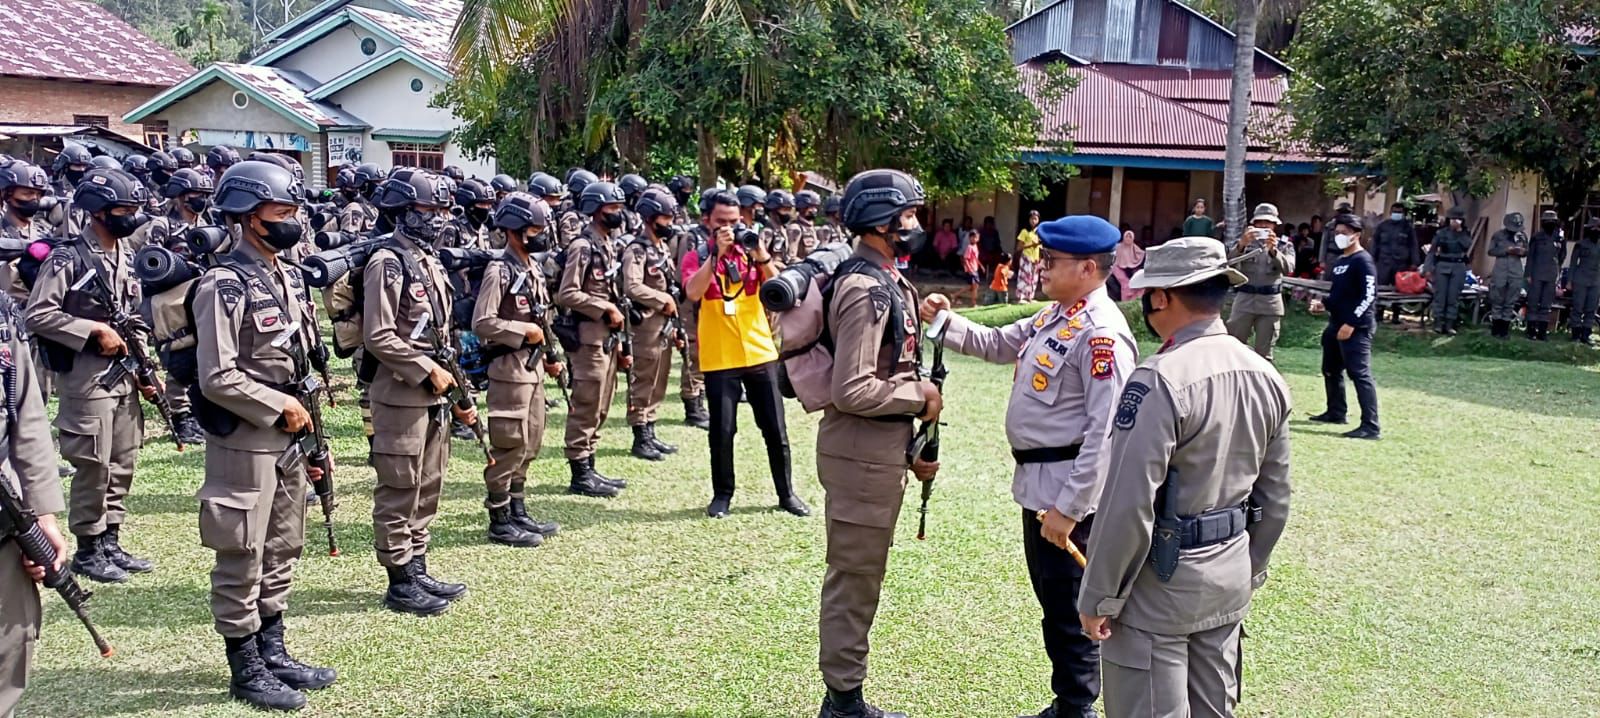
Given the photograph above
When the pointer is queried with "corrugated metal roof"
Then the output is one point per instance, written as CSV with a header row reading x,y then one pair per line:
x,y
430,39
289,88
1204,85
74,40
1127,31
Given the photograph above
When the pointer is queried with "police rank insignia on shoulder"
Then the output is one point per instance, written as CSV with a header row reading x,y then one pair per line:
x,y
230,291
1128,409
1040,381
392,271
881,299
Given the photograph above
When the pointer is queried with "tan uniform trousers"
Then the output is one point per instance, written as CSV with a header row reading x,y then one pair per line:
x,y
1265,327
177,395
691,383
19,626
1152,675
652,370
863,504
594,384
516,433
100,438
254,516
410,447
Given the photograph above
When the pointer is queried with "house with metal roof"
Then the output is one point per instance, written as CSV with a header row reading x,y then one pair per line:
x,y
1148,119
347,82
69,65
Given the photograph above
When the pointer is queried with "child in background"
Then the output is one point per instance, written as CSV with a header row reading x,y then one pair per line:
x,y
970,268
998,287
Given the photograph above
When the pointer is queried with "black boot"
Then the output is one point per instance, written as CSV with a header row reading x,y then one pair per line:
x,y
661,446
782,483
406,596
719,507
294,674
618,484
1533,330
92,562
1058,709
642,448
1500,329
461,431
586,482
252,683
519,514
850,704
419,575
504,530
189,431
694,413
124,560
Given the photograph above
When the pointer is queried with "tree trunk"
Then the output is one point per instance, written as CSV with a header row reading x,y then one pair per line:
x,y
706,155
1244,63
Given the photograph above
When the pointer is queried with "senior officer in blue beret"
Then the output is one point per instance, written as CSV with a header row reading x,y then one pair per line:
x,y
1072,358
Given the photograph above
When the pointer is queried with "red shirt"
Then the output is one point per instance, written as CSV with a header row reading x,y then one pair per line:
x,y
749,273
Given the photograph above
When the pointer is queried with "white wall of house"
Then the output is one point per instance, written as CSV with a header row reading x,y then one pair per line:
x,y
334,54
212,108
386,100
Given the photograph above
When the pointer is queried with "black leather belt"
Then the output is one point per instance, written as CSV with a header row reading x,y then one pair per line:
x,y
1046,455
1212,527
1252,289
1450,260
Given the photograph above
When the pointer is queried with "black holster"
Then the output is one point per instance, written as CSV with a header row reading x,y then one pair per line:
x,y
214,419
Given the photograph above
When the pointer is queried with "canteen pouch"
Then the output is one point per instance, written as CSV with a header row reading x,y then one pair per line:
x,y
566,330
214,419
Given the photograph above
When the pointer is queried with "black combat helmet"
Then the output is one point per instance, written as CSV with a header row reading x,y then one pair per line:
x,y
655,203
183,157
779,199
503,183
105,162
632,185
599,194
470,192
543,185
806,199
185,181
251,183
578,179
876,198
102,189
367,174
220,157
136,164
750,195
519,211
406,187
72,153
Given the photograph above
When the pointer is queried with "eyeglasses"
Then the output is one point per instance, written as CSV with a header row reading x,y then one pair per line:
x,y
1049,259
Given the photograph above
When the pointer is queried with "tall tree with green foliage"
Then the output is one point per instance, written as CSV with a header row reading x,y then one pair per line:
x,y
1459,92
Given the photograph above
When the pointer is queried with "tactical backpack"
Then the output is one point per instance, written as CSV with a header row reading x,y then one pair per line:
x,y
806,370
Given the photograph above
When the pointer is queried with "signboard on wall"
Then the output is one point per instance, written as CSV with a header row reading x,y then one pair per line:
x,y
344,149
247,139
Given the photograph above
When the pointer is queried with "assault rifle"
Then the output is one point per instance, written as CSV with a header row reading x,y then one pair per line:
x,y
925,444
134,361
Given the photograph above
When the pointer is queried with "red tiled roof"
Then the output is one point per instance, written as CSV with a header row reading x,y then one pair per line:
x,y
431,40
78,40
275,83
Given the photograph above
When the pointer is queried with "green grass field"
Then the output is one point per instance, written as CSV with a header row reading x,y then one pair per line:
x,y
1448,570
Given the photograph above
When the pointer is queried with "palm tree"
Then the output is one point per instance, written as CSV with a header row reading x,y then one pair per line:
x,y
206,24
1246,14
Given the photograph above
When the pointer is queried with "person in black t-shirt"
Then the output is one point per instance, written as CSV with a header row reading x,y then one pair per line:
x,y
1347,342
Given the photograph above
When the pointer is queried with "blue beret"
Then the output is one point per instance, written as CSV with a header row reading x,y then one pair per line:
x,y
1079,234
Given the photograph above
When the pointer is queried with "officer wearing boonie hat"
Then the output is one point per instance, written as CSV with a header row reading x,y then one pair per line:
x,y
1201,436
1072,358
1258,303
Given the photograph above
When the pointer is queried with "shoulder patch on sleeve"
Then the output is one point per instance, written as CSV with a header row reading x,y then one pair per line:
x,y
1106,342
230,290
882,297
392,270
1102,363
1128,408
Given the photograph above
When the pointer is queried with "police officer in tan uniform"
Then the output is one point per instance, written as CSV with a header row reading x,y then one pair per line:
x,y
1258,303
863,438
834,230
360,216
570,221
775,235
254,331
188,193
24,192
1196,497
406,297
510,306
1072,358
30,470
100,427
692,383
649,280
69,169
471,229
804,234
589,292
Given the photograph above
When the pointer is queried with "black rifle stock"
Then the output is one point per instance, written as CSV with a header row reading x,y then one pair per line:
x,y
135,361
19,523
925,445
445,353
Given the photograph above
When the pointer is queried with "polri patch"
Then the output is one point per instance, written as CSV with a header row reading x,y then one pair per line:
x,y
1102,363
1128,409
1102,342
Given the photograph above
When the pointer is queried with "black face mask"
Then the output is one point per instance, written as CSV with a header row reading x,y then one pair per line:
x,y
27,209
1550,226
784,217
1146,310
425,226
534,242
197,205
760,215
662,230
159,177
478,215
682,197
809,216
909,241
123,225
611,220
74,177
281,235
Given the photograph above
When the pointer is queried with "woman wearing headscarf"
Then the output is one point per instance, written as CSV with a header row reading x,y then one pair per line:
x,y
1129,258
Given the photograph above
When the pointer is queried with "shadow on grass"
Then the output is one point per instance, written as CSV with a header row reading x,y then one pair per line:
x,y
167,605
581,711
124,692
